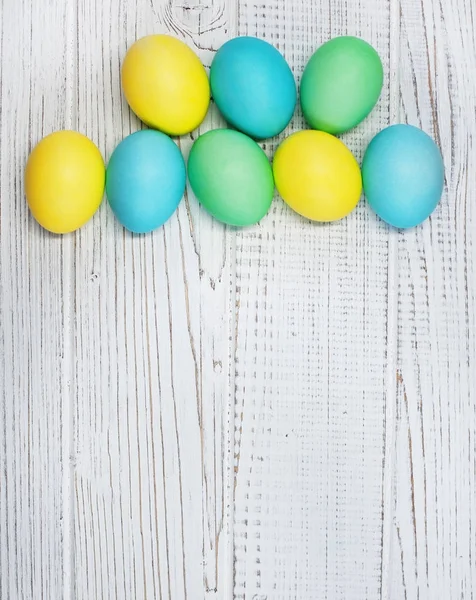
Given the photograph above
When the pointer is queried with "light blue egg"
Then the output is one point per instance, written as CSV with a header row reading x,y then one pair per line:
x,y
253,87
145,180
403,175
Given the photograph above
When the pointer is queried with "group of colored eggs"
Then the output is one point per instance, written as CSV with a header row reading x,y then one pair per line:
x,y
167,87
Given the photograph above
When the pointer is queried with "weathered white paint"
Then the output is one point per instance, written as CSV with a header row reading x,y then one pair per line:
x,y
433,537
33,314
284,412
311,363
152,494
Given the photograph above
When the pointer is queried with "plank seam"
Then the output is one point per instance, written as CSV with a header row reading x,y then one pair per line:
x,y
389,457
68,270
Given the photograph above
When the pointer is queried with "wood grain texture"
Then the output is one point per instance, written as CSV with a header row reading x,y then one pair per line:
x,y
311,362
34,313
153,469
433,538
284,412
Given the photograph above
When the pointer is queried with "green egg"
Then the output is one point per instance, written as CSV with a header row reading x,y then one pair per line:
x,y
231,177
341,84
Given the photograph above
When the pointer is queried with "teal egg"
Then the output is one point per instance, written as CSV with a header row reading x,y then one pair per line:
x,y
145,180
253,87
231,177
403,175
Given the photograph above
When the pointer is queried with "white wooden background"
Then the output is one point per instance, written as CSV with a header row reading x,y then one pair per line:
x,y
281,412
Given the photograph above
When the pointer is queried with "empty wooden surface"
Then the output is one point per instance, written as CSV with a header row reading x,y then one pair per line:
x,y
282,412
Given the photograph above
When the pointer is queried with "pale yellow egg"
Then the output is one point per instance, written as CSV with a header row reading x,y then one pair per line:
x,y
64,181
165,84
317,175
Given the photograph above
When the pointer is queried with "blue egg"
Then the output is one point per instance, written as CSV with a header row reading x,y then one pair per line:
x,y
403,175
253,87
145,180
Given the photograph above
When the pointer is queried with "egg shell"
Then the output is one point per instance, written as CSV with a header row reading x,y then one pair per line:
x,y
317,175
145,180
403,175
253,87
165,84
64,181
231,177
341,84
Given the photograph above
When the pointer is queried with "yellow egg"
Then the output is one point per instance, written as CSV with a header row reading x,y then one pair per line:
x,y
64,180
317,175
165,84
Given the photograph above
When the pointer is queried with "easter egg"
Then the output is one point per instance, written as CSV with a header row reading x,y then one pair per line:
x,y
341,84
165,84
145,180
231,177
403,175
64,181
253,87
317,175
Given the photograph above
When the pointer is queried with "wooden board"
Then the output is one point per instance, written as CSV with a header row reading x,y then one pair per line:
x,y
34,313
312,353
276,413
431,521
152,420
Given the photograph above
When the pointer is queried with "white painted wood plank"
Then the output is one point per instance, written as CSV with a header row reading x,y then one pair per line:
x,y
153,452
313,367
433,539
34,313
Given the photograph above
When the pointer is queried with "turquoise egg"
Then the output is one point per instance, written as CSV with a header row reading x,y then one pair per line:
x,y
403,175
253,87
145,180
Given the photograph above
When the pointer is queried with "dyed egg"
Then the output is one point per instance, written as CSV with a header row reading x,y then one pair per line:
x,y
317,175
341,84
253,87
403,175
165,84
64,181
231,177
145,180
